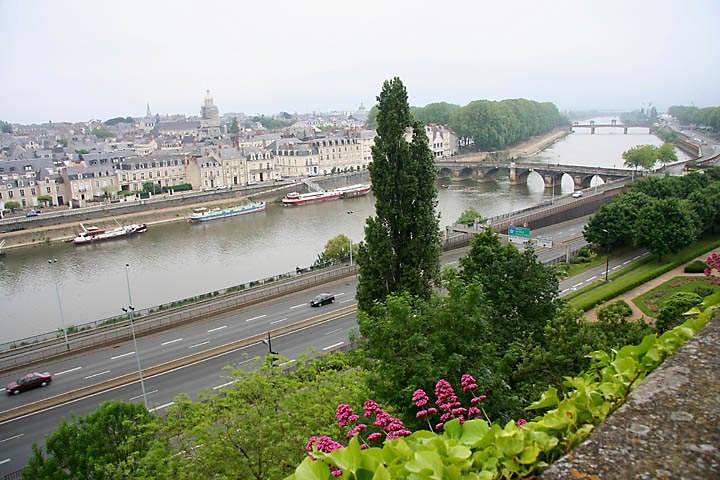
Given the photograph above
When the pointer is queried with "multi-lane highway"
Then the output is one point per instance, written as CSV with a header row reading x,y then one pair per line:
x,y
72,372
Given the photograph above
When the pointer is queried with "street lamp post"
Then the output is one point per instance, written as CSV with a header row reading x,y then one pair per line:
x,y
130,310
607,253
272,354
57,293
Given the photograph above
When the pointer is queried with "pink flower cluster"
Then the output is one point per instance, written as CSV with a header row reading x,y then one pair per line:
x,y
324,444
713,263
448,403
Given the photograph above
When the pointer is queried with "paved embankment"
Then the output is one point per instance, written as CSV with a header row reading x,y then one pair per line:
x,y
148,214
667,428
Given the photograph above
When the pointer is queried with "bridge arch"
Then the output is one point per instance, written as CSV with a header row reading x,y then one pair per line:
x,y
445,172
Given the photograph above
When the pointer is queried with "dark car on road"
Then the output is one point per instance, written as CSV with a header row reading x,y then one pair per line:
x,y
28,382
322,299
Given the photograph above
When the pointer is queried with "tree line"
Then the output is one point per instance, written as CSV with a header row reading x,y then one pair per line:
x,y
708,116
662,214
489,124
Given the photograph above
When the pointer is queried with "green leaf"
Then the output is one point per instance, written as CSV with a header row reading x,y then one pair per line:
x,y
371,459
426,463
473,432
381,473
453,429
312,470
529,455
459,452
548,399
348,458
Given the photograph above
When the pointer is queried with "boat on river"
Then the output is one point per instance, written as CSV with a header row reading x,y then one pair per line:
x,y
203,214
294,198
94,234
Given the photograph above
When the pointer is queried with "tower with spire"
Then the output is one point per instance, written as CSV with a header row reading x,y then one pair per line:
x,y
209,117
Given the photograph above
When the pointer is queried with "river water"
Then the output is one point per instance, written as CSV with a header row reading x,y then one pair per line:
x,y
180,260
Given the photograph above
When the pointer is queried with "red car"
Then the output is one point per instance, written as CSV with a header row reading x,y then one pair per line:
x,y
28,382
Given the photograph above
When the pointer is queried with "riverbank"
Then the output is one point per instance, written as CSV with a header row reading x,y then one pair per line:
x,y
60,233
534,145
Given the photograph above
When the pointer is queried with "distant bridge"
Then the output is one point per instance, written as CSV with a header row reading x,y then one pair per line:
x,y
592,126
518,172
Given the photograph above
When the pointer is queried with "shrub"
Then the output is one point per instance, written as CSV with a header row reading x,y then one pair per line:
x,y
697,266
703,291
671,311
584,255
615,312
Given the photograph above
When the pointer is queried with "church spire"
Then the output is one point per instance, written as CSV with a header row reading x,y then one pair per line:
x,y
148,113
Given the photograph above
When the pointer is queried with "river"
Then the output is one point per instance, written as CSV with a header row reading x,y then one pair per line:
x,y
180,260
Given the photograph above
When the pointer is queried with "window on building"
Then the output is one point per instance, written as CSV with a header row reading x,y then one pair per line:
x,y
32,192
22,192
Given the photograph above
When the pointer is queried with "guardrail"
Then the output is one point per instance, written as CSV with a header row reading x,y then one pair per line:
x,y
150,372
111,333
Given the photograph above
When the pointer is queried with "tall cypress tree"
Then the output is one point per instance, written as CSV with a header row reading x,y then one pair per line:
x,y
401,252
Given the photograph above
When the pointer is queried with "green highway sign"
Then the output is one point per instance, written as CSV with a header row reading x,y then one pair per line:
x,y
519,232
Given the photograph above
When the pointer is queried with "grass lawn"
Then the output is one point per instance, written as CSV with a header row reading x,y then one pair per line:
x,y
650,302
638,273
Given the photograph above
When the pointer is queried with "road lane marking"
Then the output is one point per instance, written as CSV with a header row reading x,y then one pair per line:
x,y
199,344
96,374
298,306
171,341
563,291
286,363
218,387
67,371
591,278
635,258
333,346
256,318
172,370
348,300
577,284
340,294
334,331
626,262
120,356
140,396
3,462
278,321
20,435
216,329
160,407
615,267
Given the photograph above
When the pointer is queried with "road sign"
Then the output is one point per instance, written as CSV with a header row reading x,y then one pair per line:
x,y
519,232
518,240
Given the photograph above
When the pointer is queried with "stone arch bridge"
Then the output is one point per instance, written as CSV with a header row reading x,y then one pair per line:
x,y
518,172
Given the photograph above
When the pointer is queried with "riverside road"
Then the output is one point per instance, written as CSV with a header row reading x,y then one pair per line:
x,y
75,371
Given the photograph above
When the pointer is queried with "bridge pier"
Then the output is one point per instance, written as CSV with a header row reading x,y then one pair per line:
x,y
592,130
513,176
625,130
579,181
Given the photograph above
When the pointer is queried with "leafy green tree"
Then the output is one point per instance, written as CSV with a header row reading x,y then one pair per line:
x,y
5,127
45,199
12,205
337,249
272,123
666,153
401,251
63,142
438,112
91,447
82,151
469,216
522,291
665,226
234,128
670,314
612,226
256,428
640,156
706,204
615,311
372,118
116,120
151,187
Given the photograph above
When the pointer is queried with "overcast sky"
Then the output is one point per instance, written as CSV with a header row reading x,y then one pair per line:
x,y
76,60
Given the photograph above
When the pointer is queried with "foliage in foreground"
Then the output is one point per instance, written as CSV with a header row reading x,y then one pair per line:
x,y
477,450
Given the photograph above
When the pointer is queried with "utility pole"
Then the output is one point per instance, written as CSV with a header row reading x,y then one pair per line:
x,y
607,254
130,310
57,293
273,355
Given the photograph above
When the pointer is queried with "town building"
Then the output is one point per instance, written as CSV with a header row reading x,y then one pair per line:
x,y
30,183
84,184
165,169
209,118
295,158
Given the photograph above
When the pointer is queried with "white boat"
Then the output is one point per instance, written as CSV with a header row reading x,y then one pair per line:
x,y
95,234
295,198
357,190
203,214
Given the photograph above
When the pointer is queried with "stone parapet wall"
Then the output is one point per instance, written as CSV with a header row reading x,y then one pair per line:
x,y
669,427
